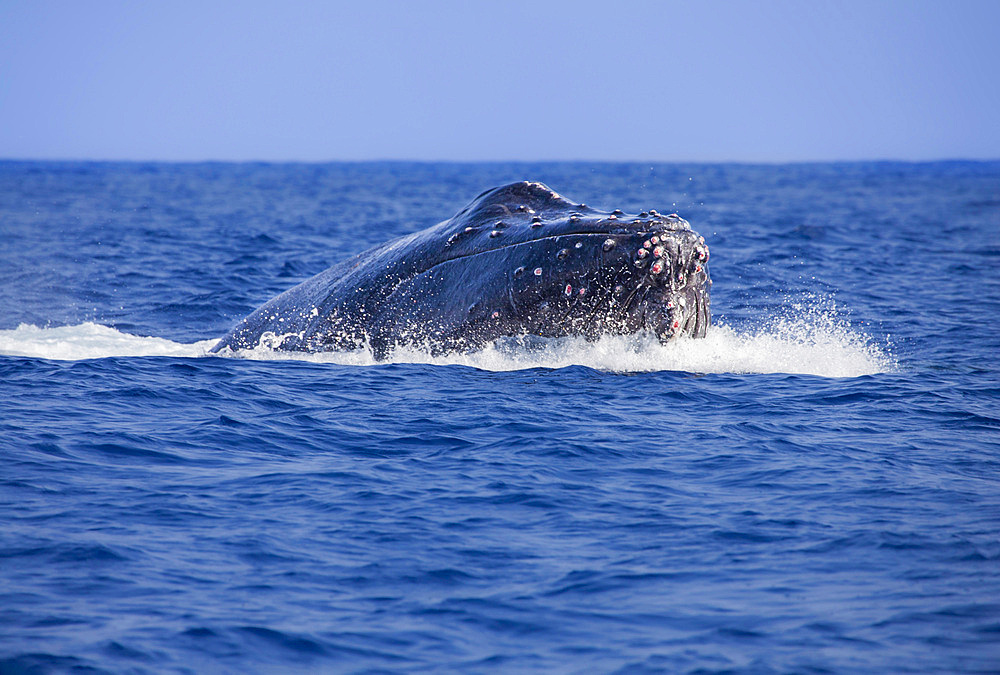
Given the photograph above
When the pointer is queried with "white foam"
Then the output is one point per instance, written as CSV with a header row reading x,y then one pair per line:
x,y
90,341
785,346
803,341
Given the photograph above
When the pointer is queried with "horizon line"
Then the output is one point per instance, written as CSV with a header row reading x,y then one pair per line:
x,y
397,160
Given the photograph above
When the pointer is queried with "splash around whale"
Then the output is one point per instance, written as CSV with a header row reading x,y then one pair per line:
x,y
519,260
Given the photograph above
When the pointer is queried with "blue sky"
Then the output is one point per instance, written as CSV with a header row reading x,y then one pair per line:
x,y
511,80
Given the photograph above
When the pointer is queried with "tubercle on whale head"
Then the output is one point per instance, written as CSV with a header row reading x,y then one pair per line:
x,y
525,211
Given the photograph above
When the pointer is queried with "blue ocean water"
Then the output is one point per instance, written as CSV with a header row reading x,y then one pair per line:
x,y
814,487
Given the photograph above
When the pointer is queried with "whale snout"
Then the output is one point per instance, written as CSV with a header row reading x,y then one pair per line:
x,y
669,275
676,266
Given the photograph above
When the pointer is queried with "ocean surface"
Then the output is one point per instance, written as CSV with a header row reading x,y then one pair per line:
x,y
814,487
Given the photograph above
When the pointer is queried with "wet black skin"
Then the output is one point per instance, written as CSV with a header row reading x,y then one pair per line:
x,y
518,260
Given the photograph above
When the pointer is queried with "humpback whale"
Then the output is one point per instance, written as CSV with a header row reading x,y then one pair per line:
x,y
519,260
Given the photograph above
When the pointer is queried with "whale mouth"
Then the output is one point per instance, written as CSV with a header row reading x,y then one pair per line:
x,y
684,313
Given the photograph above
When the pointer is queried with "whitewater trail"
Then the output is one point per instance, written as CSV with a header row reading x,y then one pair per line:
x,y
813,344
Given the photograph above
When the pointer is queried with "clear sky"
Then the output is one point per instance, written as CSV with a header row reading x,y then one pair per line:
x,y
696,80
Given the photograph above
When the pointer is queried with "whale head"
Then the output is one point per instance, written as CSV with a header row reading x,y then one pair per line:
x,y
521,259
